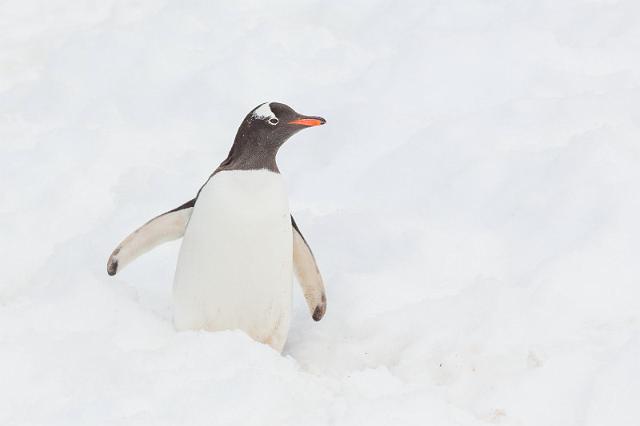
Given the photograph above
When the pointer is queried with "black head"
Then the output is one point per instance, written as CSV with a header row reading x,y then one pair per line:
x,y
262,133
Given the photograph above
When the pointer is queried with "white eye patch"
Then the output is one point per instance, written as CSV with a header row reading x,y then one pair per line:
x,y
263,112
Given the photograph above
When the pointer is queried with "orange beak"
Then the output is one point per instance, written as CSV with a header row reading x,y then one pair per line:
x,y
311,121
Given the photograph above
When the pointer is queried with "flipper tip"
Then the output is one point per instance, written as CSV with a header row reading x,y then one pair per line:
x,y
112,266
319,311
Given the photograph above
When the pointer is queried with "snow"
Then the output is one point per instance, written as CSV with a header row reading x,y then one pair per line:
x,y
473,203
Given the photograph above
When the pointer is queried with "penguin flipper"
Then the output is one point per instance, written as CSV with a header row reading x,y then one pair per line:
x,y
168,226
308,274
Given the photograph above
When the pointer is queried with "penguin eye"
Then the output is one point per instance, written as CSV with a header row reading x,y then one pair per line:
x,y
273,121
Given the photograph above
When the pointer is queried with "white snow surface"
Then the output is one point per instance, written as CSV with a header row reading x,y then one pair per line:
x,y
473,203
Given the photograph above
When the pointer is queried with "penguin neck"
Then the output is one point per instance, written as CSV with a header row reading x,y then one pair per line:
x,y
251,154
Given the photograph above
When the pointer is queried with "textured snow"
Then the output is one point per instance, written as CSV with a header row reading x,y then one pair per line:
x,y
473,203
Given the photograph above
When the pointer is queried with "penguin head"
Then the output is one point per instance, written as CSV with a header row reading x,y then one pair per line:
x,y
261,135
272,123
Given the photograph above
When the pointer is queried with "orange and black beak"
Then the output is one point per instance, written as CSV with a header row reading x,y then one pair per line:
x,y
306,121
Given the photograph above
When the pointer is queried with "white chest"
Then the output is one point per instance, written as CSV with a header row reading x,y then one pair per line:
x,y
235,265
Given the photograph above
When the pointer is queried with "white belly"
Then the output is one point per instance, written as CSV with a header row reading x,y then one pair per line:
x,y
235,264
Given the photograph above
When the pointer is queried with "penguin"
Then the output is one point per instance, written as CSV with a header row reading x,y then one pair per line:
x,y
241,246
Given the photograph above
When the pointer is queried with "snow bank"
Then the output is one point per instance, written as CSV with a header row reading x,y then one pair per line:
x,y
473,203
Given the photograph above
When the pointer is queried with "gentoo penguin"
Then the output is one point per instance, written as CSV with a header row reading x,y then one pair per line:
x,y
241,245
